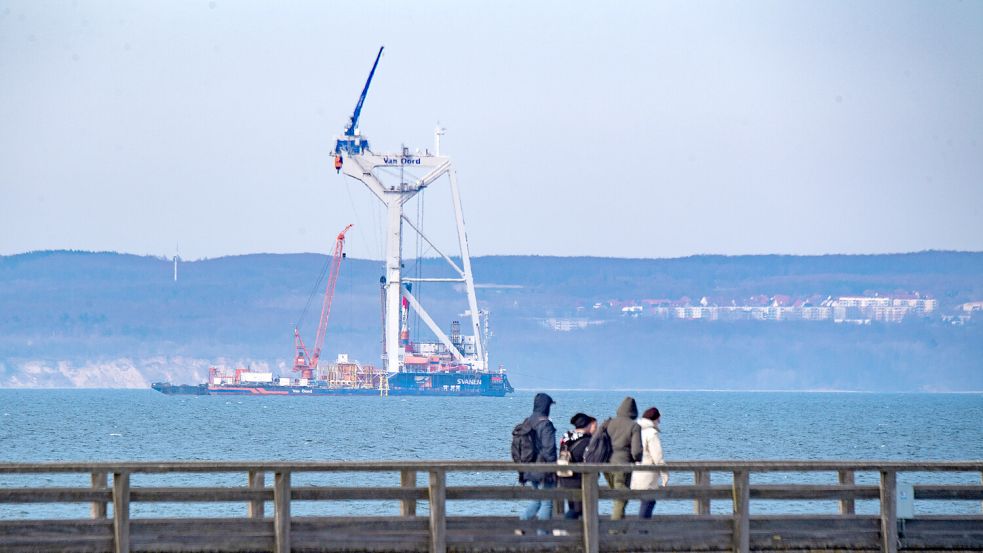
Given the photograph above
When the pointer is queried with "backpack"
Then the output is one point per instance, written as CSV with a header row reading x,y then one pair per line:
x,y
525,445
599,448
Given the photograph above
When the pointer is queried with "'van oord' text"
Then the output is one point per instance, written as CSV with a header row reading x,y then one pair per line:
x,y
400,160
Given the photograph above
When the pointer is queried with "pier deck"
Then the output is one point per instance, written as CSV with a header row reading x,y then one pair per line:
x,y
267,491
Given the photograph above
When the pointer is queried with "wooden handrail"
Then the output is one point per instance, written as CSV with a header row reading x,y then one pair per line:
x,y
99,491
150,467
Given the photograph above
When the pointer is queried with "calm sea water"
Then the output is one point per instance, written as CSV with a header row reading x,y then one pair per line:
x,y
105,425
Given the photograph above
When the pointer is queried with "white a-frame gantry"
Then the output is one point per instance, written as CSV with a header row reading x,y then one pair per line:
x,y
366,167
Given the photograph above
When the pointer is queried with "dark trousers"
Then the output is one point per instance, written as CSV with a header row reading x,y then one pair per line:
x,y
574,508
646,508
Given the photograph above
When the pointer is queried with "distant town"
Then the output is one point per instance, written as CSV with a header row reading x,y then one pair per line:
x,y
860,310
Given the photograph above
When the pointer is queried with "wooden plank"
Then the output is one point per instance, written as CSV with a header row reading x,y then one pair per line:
x,y
199,495
332,525
121,512
54,528
407,479
759,491
323,493
438,514
742,512
845,477
948,491
510,492
100,481
363,544
588,488
889,518
257,481
813,491
212,542
506,525
479,466
56,495
701,479
964,534
815,532
281,512
30,544
672,524
670,492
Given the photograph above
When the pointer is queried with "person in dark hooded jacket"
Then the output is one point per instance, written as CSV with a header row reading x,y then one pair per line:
x,y
546,441
626,448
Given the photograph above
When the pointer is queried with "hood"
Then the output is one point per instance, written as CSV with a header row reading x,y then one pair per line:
x,y
647,423
628,408
541,404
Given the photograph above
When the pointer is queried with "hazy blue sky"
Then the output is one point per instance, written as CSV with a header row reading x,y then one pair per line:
x,y
644,129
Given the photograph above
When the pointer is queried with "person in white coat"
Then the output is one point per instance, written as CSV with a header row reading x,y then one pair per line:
x,y
651,455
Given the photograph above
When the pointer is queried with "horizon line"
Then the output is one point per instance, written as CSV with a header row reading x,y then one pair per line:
x,y
437,257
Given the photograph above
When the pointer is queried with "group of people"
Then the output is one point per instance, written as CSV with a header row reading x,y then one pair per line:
x,y
633,439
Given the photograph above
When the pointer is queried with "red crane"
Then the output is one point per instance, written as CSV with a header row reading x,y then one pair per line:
x,y
306,362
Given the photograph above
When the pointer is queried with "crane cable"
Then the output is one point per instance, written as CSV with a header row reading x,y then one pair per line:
x,y
314,289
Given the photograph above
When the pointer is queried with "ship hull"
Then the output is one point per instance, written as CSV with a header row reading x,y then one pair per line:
x,y
400,384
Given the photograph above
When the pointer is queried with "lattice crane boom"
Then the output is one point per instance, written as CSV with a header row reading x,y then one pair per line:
x,y
322,327
305,361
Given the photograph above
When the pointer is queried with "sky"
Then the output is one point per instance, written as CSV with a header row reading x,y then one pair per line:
x,y
631,129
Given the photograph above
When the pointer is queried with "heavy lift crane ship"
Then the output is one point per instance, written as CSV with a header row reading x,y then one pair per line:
x,y
454,365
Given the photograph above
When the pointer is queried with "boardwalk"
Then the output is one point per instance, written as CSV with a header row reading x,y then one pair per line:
x,y
266,489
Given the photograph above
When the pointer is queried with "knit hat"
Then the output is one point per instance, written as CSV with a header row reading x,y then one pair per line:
x,y
581,420
651,414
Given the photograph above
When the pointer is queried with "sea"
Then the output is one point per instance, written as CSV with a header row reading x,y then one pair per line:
x,y
129,425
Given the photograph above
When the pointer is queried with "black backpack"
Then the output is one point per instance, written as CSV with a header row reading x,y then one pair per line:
x,y
525,443
599,448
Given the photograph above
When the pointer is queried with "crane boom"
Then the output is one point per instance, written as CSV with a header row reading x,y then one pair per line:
x,y
322,327
350,131
351,142
305,362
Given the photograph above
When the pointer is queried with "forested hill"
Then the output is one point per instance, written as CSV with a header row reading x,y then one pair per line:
x,y
107,319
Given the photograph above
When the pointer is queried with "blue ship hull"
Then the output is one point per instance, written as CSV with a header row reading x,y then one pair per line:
x,y
400,384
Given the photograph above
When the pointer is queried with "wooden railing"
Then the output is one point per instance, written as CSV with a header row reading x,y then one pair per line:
x,y
280,531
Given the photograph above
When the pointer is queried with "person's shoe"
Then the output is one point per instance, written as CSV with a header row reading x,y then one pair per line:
x,y
560,532
519,532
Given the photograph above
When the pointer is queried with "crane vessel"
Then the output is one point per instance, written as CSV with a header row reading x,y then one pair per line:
x,y
454,364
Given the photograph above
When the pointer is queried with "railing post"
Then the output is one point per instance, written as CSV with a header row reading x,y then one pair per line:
x,y
889,512
407,479
438,511
257,507
281,511
701,478
588,490
846,505
99,481
742,511
121,512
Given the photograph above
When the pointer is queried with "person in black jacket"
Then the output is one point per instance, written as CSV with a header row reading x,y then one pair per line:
x,y
573,444
546,446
